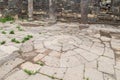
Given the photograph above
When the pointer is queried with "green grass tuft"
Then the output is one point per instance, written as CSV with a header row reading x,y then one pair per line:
x,y
12,32
15,41
29,72
19,28
40,63
28,37
3,42
5,19
3,32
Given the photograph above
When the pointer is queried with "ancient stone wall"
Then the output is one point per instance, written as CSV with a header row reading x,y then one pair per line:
x,y
64,8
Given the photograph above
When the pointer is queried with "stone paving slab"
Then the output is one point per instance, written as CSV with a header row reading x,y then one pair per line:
x,y
8,52
9,66
93,74
75,73
61,51
19,75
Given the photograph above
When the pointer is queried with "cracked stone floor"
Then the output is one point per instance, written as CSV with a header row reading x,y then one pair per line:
x,y
62,51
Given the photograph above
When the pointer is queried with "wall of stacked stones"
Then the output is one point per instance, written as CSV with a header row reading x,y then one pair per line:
x,y
13,7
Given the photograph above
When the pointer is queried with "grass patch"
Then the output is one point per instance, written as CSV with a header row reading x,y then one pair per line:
x,y
19,28
15,41
12,32
29,72
5,19
3,32
3,42
40,63
28,37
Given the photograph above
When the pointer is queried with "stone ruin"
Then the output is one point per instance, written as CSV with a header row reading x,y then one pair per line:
x,y
99,9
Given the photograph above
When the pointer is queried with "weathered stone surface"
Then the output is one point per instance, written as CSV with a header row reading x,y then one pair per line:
x,y
27,46
86,44
19,75
8,49
11,72
97,35
51,61
52,45
92,64
109,53
117,66
86,54
75,73
67,47
30,66
8,66
38,44
8,52
28,55
48,70
56,42
107,44
38,57
104,62
67,53
60,73
38,77
107,60
106,39
70,61
41,50
115,44
109,77
81,59
89,74
55,54
117,74
97,48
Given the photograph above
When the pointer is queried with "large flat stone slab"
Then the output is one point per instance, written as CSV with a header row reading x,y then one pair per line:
x,y
86,54
117,74
38,77
8,66
104,62
75,73
115,43
8,52
19,75
30,66
93,74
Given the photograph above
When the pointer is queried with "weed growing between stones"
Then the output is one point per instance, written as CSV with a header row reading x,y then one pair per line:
x,y
40,63
15,41
12,32
5,19
4,32
3,42
19,28
28,37
30,72
52,77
